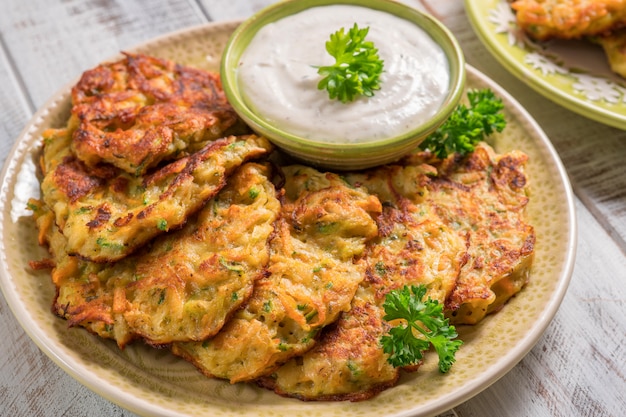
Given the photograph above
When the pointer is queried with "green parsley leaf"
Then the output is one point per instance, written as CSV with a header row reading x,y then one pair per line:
x,y
357,67
467,126
425,325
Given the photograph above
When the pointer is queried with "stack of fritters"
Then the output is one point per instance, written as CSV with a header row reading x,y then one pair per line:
x,y
117,270
602,21
313,273
255,270
107,206
184,284
456,226
413,246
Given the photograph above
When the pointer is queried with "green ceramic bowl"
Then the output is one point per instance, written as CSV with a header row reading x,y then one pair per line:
x,y
341,156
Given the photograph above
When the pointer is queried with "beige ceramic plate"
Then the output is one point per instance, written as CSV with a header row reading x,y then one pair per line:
x,y
154,382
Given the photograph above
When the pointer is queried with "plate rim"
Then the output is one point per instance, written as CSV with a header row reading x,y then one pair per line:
x,y
481,28
143,406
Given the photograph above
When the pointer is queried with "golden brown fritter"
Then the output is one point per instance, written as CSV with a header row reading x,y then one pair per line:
x,y
413,246
346,364
140,110
107,214
323,226
484,197
569,19
184,285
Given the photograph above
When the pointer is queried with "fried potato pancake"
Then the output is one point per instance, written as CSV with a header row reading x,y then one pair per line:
x,y
614,45
184,285
413,247
323,227
106,214
136,112
484,197
569,19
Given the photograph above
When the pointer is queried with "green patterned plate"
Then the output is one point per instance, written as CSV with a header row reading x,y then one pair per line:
x,y
573,74
154,382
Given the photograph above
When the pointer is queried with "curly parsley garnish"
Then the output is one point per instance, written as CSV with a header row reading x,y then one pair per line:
x,y
467,126
425,325
357,67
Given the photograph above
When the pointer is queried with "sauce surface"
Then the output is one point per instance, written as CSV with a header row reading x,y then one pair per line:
x,y
278,76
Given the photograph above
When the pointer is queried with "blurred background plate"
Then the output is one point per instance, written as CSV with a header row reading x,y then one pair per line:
x,y
574,74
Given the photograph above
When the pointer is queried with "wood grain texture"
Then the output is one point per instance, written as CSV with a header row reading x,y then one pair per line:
x,y
577,367
52,42
232,9
16,108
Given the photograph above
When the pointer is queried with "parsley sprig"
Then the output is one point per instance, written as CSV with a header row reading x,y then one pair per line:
x,y
357,67
467,126
425,325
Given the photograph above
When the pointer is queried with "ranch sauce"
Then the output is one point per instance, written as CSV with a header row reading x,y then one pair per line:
x,y
278,76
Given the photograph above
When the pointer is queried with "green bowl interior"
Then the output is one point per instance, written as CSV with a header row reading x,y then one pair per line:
x,y
244,34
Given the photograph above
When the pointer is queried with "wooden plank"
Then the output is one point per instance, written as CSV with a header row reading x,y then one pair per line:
x,y
241,9
52,42
232,9
15,105
37,386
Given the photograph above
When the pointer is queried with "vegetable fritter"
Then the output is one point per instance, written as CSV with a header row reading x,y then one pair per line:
x,y
569,19
140,110
184,285
484,197
105,215
413,246
312,279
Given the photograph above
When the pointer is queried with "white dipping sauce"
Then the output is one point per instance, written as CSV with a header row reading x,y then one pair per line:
x,y
278,76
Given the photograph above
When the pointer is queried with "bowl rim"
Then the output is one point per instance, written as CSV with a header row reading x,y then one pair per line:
x,y
237,43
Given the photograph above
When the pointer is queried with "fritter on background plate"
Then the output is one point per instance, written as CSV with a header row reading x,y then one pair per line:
x,y
569,19
614,44
184,285
599,21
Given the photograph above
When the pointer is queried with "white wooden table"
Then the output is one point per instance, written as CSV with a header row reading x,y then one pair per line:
x,y
576,369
